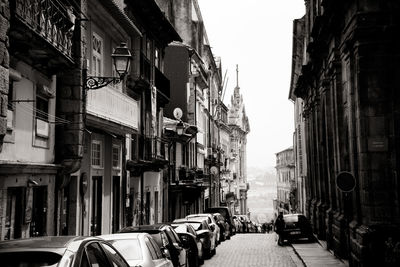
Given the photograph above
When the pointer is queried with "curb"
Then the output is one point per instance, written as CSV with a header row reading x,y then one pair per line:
x,y
298,255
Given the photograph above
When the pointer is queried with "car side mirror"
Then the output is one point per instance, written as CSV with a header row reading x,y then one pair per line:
x,y
165,253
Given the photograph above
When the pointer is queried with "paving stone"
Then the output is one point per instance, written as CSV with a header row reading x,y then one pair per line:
x,y
252,250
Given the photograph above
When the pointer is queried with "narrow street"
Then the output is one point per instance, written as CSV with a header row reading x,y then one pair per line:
x,y
253,250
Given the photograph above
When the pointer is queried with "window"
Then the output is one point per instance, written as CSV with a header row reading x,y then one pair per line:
x,y
42,117
97,55
96,255
148,48
96,153
10,106
116,156
42,108
157,58
150,248
113,255
156,249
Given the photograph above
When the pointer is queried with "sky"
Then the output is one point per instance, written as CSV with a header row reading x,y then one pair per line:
x,y
257,35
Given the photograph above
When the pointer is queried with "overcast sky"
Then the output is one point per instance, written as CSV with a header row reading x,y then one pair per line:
x,y
257,35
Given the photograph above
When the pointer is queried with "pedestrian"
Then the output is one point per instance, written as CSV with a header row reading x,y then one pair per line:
x,y
279,226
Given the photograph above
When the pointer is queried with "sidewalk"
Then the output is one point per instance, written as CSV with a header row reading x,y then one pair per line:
x,y
315,255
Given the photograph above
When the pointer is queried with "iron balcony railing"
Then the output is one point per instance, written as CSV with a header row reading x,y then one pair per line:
x,y
52,20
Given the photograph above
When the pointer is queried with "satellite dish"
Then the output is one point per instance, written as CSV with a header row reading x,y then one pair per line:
x,y
214,170
178,113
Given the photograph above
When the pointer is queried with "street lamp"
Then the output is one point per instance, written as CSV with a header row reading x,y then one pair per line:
x,y
179,128
121,58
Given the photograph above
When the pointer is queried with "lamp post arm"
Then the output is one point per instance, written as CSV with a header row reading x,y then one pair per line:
x,y
94,82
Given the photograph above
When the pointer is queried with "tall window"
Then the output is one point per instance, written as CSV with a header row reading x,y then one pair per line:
x,y
10,106
97,55
115,156
42,108
96,153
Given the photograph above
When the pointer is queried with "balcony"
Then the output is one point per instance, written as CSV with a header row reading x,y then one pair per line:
x,y
114,106
163,87
41,33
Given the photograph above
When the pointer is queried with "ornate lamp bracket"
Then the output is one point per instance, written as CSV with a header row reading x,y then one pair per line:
x,y
93,82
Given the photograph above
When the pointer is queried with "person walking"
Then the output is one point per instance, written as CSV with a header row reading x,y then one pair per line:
x,y
279,226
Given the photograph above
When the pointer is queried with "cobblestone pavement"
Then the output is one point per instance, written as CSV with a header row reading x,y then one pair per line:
x,y
253,250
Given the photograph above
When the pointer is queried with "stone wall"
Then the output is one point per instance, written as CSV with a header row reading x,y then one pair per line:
x,y
350,88
4,66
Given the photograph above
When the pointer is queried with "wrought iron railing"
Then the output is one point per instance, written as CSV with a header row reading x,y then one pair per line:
x,y
50,19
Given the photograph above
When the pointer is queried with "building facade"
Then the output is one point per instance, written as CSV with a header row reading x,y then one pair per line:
x,y
299,141
239,125
285,182
196,82
349,82
81,160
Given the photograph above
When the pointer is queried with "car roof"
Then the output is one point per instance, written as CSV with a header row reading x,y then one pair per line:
x,y
119,236
199,215
153,228
293,214
55,243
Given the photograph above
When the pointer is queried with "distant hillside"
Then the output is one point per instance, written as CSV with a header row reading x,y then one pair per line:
x,y
261,193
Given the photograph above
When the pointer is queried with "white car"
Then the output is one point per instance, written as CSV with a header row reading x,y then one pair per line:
x,y
139,249
211,222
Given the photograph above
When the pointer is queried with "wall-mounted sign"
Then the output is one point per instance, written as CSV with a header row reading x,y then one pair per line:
x,y
345,181
377,144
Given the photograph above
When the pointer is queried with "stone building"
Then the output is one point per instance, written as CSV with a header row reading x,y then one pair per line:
x,y
76,160
239,125
299,142
285,182
195,88
349,84
41,110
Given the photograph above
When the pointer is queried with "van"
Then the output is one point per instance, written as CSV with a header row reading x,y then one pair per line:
x,y
226,213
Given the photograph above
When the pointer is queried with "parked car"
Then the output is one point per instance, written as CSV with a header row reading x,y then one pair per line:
x,y
223,226
139,249
165,237
226,212
244,223
239,226
204,232
189,238
297,226
211,222
60,251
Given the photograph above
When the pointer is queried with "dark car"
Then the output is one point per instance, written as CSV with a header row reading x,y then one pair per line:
x,y
204,232
223,226
297,226
165,237
60,251
190,239
226,212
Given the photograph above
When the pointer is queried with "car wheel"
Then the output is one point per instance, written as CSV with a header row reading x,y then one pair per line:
x,y
213,252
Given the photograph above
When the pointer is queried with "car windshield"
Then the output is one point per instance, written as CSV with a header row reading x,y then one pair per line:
x,y
29,259
291,219
197,217
196,226
129,248
180,228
